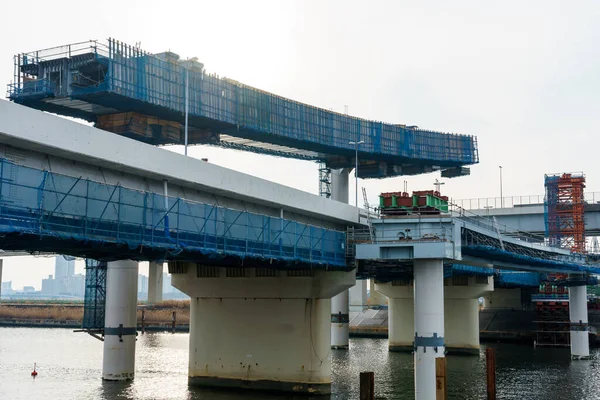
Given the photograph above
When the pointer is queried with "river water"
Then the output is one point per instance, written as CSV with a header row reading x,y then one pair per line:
x,y
70,366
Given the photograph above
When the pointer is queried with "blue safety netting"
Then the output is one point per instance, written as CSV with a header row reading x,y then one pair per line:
x,y
468,270
125,78
495,254
74,212
517,279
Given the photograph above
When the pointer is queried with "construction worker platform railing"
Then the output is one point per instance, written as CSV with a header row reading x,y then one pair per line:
x,y
85,218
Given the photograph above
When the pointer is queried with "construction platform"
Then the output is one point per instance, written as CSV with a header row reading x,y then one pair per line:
x,y
145,96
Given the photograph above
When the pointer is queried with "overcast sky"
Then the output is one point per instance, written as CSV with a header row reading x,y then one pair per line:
x,y
521,76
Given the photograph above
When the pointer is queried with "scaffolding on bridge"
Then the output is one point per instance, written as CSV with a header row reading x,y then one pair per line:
x,y
84,218
564,211
131,92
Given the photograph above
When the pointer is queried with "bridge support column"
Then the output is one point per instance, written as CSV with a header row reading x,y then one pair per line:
x,y
120,321
401,314
257,328
1,279
340,321
578,315
429,325
155,282
376,298
461,306
340,304
358,296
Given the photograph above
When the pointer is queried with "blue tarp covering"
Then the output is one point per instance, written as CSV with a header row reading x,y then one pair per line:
x,y
74,212
495,254
514,279
133,80
460,269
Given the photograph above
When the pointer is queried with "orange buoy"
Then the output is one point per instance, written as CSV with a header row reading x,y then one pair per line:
x,y
34,372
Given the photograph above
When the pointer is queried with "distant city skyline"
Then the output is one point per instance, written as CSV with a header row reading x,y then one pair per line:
x,y
68,280
524,83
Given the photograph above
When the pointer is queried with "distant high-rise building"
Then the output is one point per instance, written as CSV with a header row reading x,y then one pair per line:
x,y
76,285
6,288
50,286
63,268
65,282
142,283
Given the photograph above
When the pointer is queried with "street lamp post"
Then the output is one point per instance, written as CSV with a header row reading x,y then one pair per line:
x,y
355,144
501,198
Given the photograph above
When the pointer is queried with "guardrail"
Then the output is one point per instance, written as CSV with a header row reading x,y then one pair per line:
x,y
513,201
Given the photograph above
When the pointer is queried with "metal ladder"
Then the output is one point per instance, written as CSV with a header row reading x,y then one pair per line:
x,y
367,208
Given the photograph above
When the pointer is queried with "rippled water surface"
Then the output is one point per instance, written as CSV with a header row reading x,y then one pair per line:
x,y
70,365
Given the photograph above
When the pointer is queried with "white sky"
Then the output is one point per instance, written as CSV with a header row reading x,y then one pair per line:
x,y
524,77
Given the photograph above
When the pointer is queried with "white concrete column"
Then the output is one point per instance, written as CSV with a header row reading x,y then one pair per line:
x,y
578,315
340,321
461,312
155,282
339,185
120,321
260,329
376,298
461,325
358,296
401,327
429,325
1,261
401,314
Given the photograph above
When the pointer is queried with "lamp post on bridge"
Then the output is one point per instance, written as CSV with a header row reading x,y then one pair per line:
x,y
501,198
356,144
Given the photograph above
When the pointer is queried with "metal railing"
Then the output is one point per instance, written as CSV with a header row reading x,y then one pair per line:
x,y
76,210
513,201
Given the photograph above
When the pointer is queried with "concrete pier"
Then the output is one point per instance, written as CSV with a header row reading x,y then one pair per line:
x,y
429,325
155,282
340,304
358,296
461,308
340,321
461,313
578,315
376,298
118,363
401,314
257,328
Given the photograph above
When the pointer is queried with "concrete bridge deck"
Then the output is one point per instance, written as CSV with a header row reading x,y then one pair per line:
x,y
86,192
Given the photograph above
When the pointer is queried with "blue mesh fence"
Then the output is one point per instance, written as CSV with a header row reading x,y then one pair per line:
x,y
160,81
47,204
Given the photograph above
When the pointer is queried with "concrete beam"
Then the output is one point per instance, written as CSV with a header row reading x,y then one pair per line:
x,y
51,135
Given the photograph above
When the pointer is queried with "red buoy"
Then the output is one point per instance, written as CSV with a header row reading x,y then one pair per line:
x,y
34,372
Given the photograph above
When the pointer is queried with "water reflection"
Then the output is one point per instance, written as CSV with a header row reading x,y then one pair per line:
x,y
70,367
